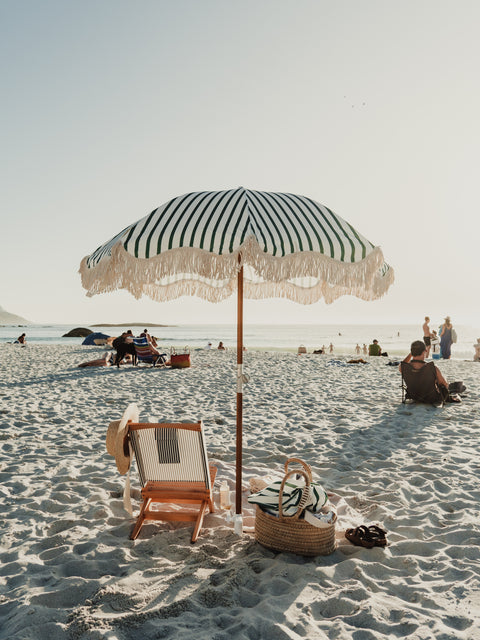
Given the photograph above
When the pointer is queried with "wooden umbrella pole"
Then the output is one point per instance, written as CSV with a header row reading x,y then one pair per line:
x,y
238,485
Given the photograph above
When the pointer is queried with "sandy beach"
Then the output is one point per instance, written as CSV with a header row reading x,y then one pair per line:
x,y
67,566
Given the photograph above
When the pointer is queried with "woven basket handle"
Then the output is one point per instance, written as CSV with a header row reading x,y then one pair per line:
x,y
303,499
306,467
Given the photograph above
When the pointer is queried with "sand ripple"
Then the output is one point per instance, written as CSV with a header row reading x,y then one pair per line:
x,y
68,569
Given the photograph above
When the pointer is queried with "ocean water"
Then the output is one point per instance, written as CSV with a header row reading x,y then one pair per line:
x,y
394,339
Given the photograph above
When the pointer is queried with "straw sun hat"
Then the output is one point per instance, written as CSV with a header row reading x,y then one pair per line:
x,y
115,441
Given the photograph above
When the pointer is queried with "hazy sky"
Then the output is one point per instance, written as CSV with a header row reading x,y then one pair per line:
x,y
111,108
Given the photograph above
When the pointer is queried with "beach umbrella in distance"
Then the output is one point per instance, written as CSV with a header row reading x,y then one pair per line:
x,y
259,244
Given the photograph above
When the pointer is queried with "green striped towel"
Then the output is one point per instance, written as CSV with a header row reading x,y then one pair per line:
x,y
268,498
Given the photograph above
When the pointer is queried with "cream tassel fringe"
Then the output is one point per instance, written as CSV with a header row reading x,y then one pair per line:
x,y
186,271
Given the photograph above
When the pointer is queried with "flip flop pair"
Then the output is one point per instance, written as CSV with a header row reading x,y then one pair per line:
x,y
368,537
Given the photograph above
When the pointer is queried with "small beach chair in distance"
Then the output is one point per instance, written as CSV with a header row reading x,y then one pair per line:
x,y
145,353
173,467
420,385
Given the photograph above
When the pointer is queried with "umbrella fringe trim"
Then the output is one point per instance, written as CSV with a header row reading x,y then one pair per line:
x,y
143,276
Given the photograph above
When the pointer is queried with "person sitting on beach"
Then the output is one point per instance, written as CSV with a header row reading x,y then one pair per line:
x,y
208,346
374,349
21,339
431,391
221,347
124,347
105,361
476,357
151,339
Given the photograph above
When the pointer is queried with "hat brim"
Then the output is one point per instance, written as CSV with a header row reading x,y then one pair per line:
x,y
122,453
111,435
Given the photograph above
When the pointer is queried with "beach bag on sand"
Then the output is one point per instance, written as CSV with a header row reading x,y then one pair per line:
x,y
301,532
180,360
302,349
457,387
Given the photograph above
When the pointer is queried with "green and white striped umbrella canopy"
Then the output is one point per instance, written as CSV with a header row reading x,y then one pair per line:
x,y
289,245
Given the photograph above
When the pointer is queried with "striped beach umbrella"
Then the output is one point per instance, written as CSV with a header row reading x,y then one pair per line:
x,y
260,244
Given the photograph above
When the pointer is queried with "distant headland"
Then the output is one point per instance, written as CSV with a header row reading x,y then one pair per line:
x,y
11,318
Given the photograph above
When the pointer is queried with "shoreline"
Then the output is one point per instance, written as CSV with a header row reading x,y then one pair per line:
x,y
93,350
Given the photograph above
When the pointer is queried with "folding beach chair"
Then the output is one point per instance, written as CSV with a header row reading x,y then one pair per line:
x,y
173,467
145,353
420,385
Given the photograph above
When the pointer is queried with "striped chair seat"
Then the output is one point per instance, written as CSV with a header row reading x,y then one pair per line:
x,y
146,353
173,467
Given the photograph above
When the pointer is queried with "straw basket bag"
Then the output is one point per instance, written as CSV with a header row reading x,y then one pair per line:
x,y
293,533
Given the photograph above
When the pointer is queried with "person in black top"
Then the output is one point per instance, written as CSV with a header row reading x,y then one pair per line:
x,y
124,346
416,357
424,381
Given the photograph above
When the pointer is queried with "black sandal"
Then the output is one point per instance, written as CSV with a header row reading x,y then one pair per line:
x,y
360,537
367,537
378,535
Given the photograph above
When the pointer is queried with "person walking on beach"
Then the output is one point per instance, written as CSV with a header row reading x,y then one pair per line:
x,y
330,348
357,349
427,335
364,349
446,338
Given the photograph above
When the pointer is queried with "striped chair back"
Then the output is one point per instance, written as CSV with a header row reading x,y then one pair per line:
x,y
170,452
143,350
